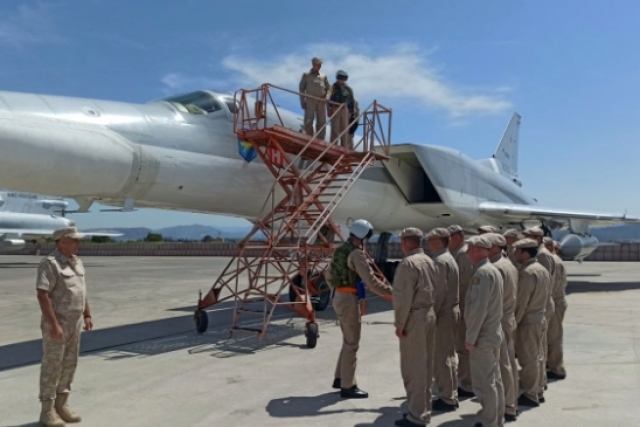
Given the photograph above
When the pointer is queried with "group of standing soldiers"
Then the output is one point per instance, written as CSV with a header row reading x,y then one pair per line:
x,y
319,98
468,312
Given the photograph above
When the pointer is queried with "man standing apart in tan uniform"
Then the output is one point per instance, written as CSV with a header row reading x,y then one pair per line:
x,y
415,322
555,333
547,260
483,316
530,306
348,266
62,297
314,83
508,366
447,318
458,249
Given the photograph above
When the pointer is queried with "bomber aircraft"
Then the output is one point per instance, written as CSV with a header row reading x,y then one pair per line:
x,y
182,153
25,217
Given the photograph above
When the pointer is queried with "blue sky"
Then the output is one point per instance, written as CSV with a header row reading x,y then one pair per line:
x,y
452,72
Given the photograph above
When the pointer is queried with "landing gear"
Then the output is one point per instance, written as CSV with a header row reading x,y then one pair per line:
x,y
388,268
202,320
312,333
319,290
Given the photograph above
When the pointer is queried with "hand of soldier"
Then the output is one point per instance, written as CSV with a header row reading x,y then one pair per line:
x,y
469,347
400,333
56,332
88,324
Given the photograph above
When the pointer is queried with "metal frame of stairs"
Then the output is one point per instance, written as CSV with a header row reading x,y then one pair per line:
x,y
311,179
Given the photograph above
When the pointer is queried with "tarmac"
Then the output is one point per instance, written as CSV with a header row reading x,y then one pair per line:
x,y
145,365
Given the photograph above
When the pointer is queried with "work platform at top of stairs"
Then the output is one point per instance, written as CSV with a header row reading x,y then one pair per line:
x,y
266,122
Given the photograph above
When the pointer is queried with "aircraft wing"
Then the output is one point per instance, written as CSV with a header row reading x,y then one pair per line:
x,y
518,213
45,232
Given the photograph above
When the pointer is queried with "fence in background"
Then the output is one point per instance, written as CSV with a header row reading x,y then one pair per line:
x,y
621,252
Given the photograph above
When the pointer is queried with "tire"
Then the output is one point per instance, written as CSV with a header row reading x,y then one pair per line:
x,y
202,321
321,302
297,281
312,335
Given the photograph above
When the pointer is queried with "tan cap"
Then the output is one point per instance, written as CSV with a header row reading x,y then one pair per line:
x,y
496,239
480,242
512,232
547,240
316,60
535,231
71,232
487,229
525,243
438,233
412,232
453,229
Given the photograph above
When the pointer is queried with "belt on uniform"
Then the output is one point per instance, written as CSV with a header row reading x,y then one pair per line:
x,y
353,291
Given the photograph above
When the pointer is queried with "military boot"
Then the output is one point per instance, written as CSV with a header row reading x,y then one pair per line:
x,y
64,411
49,417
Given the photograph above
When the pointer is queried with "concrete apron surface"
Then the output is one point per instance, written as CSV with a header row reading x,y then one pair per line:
x,y
144,364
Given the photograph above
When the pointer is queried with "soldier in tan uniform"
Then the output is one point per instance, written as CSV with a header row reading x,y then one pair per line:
x,y
314,83
555,357
508,365
447,318
483,316
348,266
415,322
530,306
511,235
62,296
458,249
547,260
486,229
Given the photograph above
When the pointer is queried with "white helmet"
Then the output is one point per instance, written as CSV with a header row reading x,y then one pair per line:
x,y
362,229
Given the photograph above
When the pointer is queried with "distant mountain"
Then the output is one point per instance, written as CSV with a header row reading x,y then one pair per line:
x,y
623,233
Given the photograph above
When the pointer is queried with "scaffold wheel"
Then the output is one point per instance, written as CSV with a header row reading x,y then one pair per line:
x,y
312,334
202,320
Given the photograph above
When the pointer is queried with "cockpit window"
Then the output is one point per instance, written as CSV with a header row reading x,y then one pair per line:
x,y
199,103
231,104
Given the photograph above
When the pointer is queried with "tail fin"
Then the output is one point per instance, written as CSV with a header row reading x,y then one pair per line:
x,y
507,151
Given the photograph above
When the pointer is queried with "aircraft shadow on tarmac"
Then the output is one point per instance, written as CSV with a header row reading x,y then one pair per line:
x,y
583,287
161,336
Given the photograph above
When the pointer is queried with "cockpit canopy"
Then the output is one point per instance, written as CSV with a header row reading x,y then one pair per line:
x,y
202,103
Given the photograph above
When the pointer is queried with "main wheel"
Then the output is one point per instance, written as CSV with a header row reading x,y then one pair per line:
x,y
312,335
202,320
321,301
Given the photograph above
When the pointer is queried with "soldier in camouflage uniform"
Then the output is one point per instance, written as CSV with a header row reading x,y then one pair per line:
x,y
348,266
62,297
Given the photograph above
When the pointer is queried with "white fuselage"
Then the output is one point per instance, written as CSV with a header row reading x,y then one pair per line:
x,y
159,156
